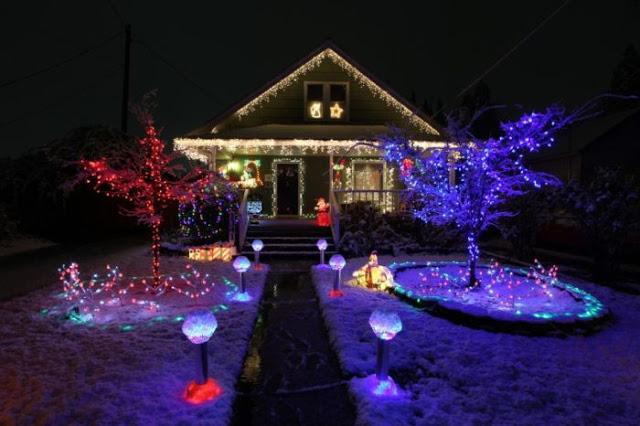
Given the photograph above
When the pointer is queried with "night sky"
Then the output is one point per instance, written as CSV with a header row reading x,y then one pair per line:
x,y
231,48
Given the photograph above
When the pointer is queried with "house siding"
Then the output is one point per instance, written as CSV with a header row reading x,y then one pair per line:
x,y
288,106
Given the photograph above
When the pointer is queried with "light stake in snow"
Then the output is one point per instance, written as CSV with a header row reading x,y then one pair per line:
x,y
241,264
337,262
257,246
385,325
322,246
199,327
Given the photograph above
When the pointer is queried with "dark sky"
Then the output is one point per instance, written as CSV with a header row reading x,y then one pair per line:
x,y
232,47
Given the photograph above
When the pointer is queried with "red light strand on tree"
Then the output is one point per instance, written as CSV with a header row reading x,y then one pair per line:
x,y
149,179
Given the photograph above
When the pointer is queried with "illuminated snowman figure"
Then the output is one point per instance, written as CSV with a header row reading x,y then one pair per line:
x,y
374,275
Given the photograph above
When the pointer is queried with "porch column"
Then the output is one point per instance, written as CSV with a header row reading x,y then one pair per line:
x,y
212,159
330,173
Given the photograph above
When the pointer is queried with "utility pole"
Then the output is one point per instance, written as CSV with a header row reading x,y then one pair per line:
x,y
124,108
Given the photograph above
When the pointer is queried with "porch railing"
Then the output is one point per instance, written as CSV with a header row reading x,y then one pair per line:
x,y
385,200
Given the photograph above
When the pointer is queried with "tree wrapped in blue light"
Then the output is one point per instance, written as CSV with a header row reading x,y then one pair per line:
x,y
469,181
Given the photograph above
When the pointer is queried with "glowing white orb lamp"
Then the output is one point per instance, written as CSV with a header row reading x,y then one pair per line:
x,y
322,246
241,264
385,325
257,246
337,262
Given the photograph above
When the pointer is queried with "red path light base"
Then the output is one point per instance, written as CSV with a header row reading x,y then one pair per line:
x,y
336,293
200,393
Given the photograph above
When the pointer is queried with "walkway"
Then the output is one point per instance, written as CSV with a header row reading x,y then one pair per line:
x,y
291,375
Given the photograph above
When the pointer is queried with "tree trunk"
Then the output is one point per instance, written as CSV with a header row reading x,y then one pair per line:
x,y
155,254
473,253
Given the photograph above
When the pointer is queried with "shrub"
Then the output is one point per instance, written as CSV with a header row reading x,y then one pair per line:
x,y
607,210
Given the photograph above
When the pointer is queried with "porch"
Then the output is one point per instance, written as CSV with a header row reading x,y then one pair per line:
x,y
286,234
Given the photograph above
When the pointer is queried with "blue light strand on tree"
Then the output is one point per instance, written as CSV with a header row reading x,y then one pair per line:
x,y
202,219
487,172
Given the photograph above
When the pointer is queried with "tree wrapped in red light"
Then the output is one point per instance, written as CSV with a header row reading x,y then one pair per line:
x,y
149,179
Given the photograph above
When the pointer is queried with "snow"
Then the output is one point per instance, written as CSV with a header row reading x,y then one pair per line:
x,y
22,244
132,366
452,374
506,293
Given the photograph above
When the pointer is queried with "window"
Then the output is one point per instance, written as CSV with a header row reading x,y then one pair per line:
x,y
315,100
326,101
368,175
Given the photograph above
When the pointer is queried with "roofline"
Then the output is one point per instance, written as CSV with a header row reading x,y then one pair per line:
x,y
628,115
327,44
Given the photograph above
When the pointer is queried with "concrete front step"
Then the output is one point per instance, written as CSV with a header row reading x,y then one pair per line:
x,y
296,232
301,253
247,245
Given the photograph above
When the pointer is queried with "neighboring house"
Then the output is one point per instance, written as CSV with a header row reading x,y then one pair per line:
x,y
296,139
611,140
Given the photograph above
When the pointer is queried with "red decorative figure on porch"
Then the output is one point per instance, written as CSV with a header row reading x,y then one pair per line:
x,y
322,209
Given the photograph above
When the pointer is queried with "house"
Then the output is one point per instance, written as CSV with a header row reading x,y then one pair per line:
x,y
303,136
610,140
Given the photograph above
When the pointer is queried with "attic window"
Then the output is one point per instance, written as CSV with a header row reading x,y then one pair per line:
x,y
326,101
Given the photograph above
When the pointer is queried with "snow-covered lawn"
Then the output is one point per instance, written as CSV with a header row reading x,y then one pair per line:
x,y
452,374
132,367
507,293
23,243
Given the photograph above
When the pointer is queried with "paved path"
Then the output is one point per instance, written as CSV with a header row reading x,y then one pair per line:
x,y
291,374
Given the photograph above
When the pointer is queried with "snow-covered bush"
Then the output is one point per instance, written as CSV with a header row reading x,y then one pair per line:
x,y
534,209
366,229
608,211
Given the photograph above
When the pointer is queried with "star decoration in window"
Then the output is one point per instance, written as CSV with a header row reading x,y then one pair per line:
x,y
336,110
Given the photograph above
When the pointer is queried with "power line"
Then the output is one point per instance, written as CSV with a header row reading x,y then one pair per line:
x,y
61,63
115,11
60,101
509,52
203,89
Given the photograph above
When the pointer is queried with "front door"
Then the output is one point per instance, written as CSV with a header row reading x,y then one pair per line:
x,y
287,191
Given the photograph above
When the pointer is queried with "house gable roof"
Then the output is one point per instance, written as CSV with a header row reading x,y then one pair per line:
x,y
328,50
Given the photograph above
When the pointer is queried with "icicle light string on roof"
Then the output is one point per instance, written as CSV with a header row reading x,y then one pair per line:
x,y
285,146
353,72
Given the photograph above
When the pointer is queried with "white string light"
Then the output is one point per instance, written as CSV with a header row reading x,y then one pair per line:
x,y
192,147
353,72
274,170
